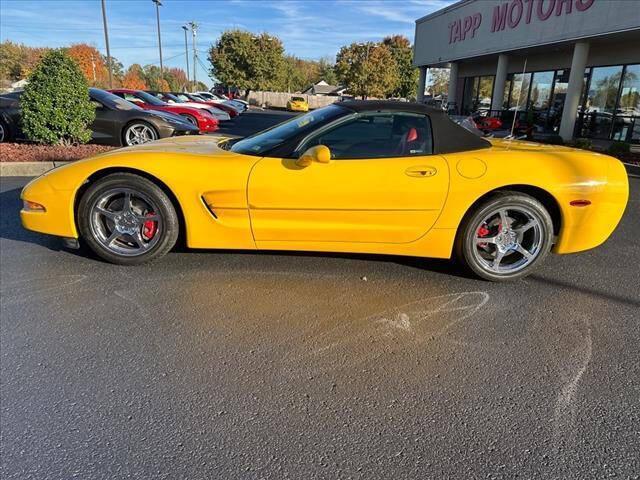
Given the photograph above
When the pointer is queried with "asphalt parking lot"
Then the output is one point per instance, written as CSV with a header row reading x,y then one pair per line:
x,y
244,365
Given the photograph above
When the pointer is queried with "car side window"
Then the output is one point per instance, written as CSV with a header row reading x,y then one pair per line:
x,y
377,135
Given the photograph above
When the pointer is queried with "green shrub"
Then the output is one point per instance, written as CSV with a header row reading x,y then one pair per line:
x,y
583,143
55,105
618,148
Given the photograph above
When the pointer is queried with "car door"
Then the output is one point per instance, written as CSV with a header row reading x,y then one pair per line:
x,y
107,124
382,184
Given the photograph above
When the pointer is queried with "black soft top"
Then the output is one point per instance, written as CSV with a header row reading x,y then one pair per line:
x,y
448,136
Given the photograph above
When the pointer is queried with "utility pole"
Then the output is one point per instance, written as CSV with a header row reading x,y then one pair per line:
x,y
158,5
194,28
106,39
186,52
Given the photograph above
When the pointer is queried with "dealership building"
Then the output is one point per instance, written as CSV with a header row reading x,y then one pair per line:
x,y
569,67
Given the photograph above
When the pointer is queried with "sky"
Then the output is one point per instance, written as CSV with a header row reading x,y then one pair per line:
x,y
309,29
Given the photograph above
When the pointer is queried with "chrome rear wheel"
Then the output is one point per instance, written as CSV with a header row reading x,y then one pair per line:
x,y
508,239
505,236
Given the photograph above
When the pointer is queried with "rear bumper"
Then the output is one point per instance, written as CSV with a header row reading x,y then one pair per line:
x,y
587,227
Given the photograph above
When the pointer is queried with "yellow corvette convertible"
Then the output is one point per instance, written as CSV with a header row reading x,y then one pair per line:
x,y
357,176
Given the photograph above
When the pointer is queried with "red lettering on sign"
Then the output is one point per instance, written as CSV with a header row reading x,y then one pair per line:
x,y
517,7
477,20
582,5
566,3
542,15
499,17
510,14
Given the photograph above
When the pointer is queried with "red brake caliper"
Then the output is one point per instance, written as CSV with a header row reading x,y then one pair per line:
x,y
149,228
483,231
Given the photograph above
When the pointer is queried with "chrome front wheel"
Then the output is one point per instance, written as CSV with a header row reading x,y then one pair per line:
x,y
139,133
126,221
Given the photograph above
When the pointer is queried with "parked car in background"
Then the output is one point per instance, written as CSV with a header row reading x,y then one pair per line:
x,y
232,111
240,106
118,122
220,114
213,96
205,121
297,104
486,123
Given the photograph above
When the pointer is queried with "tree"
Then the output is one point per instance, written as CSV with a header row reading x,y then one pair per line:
x,y
177,79
247,61
326,71
134,78
55,105
402,53
91,62
438,81
367,69
17,61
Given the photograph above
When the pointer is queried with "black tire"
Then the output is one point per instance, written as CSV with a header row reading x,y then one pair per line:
x,y
166,212
5,133
467,249
190,118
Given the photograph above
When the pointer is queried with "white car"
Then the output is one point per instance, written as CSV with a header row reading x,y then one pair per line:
x,y
219,114
214,97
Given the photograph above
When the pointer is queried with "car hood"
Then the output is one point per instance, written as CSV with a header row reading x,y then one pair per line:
x,y
188,145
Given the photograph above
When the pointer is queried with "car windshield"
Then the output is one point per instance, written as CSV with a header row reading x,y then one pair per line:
x,y
171,96
297,99
182,97
111,101
268,139
150,99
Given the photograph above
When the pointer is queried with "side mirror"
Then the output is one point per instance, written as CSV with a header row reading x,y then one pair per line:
x,y
319,153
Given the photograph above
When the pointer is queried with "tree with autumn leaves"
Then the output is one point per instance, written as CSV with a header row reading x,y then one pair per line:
x,y
383,69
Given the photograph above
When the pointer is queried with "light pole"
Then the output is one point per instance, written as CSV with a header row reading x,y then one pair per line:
x,y
106,40
186,52
158,5
194,28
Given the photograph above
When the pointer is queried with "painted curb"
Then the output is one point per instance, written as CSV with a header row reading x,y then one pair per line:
x,y
27,169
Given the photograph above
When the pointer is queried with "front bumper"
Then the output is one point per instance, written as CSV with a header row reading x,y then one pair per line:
x,y
57,219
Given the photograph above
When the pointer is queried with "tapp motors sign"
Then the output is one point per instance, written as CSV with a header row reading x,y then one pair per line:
x,y
477,27
510,14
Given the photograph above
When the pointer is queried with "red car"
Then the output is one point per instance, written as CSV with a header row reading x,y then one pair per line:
x,y
488,124
199,117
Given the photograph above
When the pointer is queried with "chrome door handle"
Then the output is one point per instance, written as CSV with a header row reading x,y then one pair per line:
x,y
421,171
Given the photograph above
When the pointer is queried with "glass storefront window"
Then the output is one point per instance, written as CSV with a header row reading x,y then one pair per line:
x,y
601,99
630,93
485,89
477,94
624,125
520,91
541,90
603,89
